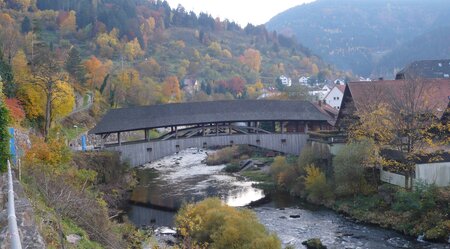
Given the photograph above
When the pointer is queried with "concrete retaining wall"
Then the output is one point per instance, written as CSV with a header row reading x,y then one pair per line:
x,y
28,230
140,153
393,178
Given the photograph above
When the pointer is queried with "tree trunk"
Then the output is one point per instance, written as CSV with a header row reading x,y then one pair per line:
x,y
48,114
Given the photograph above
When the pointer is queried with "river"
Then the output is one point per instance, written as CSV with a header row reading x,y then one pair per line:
x,y
167,183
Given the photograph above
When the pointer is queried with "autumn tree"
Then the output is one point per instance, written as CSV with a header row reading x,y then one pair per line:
x,y
67,22
147,27
10,38
133,50
149,68
108,43
96,70
48,77
252,58
171,90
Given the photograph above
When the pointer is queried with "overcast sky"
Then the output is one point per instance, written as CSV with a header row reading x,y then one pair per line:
x,y
240,11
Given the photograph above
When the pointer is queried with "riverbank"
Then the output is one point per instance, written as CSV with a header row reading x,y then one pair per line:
x,y
420,214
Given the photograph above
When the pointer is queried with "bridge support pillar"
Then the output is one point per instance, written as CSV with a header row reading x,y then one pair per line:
x,y
118,139
147,135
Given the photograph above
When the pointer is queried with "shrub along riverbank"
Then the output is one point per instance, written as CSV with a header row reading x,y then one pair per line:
x,y
352,188
78,195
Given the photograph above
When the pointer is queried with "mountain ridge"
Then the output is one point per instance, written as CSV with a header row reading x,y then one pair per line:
x,y
355,35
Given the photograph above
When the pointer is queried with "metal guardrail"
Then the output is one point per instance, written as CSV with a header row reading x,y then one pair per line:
x,y
12,221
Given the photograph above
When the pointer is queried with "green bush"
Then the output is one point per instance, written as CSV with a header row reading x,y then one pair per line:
x,y
419,201
232,168
212,223
349,166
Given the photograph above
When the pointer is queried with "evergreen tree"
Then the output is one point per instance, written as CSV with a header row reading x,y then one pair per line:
x,y
26,25
74,66
4,134
10,88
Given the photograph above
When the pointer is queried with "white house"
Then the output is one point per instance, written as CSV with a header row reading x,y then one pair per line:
x,y
339,82
303,80
322,92
285,80
334,97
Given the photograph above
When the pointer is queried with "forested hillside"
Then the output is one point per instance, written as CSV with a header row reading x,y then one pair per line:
x,y
136,52
368,36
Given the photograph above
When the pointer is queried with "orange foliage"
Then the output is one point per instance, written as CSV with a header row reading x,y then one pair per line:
x,y
15,110
54,153
171,89
252,58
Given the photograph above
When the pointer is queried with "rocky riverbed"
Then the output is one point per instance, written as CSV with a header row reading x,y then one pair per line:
x,y
167,183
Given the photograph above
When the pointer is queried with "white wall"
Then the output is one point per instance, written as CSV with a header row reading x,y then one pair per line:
x,y
392,178
334,98
437,173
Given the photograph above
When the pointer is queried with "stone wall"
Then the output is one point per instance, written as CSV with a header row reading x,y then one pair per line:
x,y
28,230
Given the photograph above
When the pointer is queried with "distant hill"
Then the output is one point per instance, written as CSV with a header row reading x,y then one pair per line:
x,y
144,42
432,45
369,37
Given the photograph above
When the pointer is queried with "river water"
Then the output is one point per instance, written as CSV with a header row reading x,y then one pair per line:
x,y
167,183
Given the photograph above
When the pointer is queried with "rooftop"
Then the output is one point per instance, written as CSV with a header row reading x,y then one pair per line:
x,y
155,116
430,69
429,95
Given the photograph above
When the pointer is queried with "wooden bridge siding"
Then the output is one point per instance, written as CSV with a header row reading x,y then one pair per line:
x,y
139,154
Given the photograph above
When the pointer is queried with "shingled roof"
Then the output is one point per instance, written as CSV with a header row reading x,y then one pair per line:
x,y
430,95
147,117
430,69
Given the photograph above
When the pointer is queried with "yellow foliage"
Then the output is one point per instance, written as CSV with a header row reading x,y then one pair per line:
x,y
69,24
63,100
314,69
35,99
133,49
252,58
108,43
22,72
210,222
214,49
226,53
313,175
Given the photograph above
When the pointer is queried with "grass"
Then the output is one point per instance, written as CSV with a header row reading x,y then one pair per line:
x,y
69,227
264,180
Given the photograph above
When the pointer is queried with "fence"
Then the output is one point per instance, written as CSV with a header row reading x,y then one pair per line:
x,y
436,173
12,221
430,173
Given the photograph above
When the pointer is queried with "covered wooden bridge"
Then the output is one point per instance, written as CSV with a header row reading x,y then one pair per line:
x,y
272,124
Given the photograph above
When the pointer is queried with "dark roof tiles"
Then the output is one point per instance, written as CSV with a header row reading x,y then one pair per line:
x,y
146,117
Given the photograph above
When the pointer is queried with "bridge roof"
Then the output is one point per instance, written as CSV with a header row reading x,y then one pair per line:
x,y
154,116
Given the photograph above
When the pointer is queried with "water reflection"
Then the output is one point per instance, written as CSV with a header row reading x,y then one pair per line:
x,y
168,183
